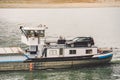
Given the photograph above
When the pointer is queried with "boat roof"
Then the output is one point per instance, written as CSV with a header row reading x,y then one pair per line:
x,y
84,37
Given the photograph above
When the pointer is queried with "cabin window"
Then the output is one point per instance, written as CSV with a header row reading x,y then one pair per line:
x,y
41,33
35,33
53,52
89,51
33,52
33,48
72,52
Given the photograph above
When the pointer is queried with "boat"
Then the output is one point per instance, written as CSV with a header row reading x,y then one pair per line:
x,y
59,55
42,54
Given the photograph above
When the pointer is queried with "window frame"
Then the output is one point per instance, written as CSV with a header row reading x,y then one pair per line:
x,y
89,51
72,51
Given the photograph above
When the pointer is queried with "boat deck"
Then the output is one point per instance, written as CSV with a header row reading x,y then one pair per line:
x,y
11,50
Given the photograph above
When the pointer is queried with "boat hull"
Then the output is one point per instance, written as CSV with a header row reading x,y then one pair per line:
x,y
68,62
53,63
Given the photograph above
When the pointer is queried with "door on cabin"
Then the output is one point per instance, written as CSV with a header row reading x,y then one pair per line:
x,y
61,52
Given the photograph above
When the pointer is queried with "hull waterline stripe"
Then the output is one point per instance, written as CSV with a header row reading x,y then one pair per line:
x,y
105,56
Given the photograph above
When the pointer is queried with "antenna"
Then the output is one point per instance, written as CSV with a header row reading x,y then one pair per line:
x,y
23,31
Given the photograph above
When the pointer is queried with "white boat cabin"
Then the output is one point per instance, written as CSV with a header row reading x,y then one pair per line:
x,y
35,39
33,36
69,52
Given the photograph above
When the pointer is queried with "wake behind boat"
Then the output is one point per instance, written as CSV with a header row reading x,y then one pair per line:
x,y
42,54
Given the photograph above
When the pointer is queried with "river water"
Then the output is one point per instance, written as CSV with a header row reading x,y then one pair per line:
x,y
103,24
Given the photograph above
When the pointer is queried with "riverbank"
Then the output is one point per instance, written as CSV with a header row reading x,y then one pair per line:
x,y
58,5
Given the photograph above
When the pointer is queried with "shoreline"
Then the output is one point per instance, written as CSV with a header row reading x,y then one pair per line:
x,y
58,5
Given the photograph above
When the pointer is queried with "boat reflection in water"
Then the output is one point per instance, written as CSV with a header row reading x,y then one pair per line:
x,y
104,72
